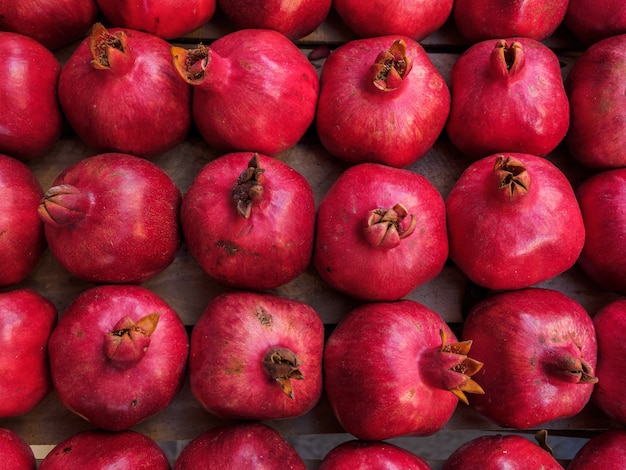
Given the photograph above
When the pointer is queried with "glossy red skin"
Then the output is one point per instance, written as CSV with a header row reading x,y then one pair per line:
x,y
167,19
591,21
370,455
500,451
596,91
513,334
98,449
89,384
413,18
138,106
259,93
40,20
15,452
607,394
375,358
519,242
605,450
525,111
23,241
31,117
348,263
294,19
131,232
228,343
237,446
359,123
478,20
270,248
26,322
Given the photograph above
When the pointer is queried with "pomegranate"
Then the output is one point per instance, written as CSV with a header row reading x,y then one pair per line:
x,y
607,393
118,355
538,347
495,452
596,91
478,20
120,93
15,451
31,117
167,19
413,18
253,90
256,357
380,233
507,96
381,100
239,445
293,18
394,369
256,199
604,450
98,449
371,455
104,221
513,221
591,21
26,321
53,23
23,241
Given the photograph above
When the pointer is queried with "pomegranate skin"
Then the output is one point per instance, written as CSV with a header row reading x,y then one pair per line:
x,y
351,257
267,249
99,449
513,221
370,455
591,21
478,20
358,122
239,445
105,223
605,450
596,91
539,352
31,116
23,241
15,451
507,96
117,393
26,323
500,451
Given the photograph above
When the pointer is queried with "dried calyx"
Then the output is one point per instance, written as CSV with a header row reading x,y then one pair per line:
x,y
391,67
459,368
248,187
385,228
128,342
283,366
512,176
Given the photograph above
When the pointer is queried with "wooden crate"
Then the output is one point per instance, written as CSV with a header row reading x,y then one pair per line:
x,y
187,289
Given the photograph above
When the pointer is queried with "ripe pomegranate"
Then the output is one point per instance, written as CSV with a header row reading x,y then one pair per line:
x,y
538,347
371,455
591,21
167,19
266,214
513,221
105,222
26,321
381,232
98,449
31,117
602,451
413,18
507,96
15,451
596,91
253,90
256,357
293,18
53,23
23,241
381,100
237,446
478,20
118,355
496,452
394,369
120,92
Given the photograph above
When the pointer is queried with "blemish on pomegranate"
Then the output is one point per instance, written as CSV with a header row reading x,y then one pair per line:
x,y
231,249
264,317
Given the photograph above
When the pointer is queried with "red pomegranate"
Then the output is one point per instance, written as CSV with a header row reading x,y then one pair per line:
x,y
15,451
591,21
604,450
371,455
